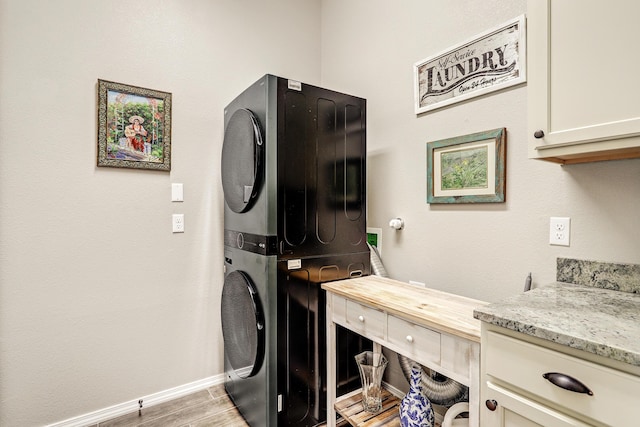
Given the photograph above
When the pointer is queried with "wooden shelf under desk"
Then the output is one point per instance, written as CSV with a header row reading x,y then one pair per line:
x,y
349,407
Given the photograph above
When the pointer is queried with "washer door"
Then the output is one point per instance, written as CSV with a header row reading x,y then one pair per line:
x,y
242,324
242,160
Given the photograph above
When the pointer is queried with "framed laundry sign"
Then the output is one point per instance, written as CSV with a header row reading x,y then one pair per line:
x,y
493,60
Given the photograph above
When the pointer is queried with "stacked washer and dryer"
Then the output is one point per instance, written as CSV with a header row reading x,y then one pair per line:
x,y
293,175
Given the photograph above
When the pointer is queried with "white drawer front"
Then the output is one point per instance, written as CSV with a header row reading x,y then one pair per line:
x,y
365,320
523,365
514,410
418,343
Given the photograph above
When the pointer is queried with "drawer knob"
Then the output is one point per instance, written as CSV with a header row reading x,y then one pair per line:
x,y
566,382
409,338
491,404
538,134
361,318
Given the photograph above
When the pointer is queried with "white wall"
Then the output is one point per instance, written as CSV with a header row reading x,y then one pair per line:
x,y
99,302
481,251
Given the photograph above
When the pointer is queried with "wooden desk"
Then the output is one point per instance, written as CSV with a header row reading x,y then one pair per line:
x,y
434,328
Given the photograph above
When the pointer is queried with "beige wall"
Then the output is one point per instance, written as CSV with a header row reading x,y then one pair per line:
x,y
481,251
99,302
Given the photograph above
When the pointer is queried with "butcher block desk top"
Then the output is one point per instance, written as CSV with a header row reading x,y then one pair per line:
x,y
430,308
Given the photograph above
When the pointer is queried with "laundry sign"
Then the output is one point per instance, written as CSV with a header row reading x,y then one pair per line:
x,y
490,61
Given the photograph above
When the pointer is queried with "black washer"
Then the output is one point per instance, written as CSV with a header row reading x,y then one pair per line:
x,y
242,160
243,326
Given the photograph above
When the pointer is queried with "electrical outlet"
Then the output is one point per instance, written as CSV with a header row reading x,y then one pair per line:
x,y
178,223
559,231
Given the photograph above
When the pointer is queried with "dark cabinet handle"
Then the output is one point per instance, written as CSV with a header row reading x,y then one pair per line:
x,y
566,382
491,404
538,134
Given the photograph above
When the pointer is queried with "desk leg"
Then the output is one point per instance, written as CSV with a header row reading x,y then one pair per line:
x,y
331,363
474,385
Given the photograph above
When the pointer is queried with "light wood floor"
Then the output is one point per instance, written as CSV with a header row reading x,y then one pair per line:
x,y
210,407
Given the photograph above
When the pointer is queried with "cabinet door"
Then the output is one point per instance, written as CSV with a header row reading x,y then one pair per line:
x,y
582,89
514,410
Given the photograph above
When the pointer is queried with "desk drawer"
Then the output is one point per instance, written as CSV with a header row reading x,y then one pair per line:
x,y
418,343
523,365
365,320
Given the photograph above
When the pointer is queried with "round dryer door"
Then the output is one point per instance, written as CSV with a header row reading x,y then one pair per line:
x,y
242,153
242,324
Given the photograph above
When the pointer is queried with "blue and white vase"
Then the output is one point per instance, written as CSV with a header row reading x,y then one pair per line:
x,y
416,409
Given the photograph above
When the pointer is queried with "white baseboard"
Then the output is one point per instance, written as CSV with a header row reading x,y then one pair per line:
x,y
395,391
132,406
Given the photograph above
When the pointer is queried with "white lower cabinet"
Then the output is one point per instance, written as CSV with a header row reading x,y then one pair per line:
x,y
514,410
524,383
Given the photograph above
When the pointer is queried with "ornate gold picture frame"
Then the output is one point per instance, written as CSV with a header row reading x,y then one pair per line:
x,y
134,127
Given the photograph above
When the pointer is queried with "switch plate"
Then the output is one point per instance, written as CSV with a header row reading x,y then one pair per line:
x,y
178,223
559,231
177,193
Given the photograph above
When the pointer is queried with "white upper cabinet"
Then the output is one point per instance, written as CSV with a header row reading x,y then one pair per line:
x,y
583,88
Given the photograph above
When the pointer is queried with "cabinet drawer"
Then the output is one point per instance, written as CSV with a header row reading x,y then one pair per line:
x,y
418,343
365,320
515,410
523,365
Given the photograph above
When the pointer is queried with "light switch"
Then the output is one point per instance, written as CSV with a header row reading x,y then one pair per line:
x,y
177,193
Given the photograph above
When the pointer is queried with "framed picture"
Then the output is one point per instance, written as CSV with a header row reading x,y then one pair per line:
x,y
134,127
467,169
490,61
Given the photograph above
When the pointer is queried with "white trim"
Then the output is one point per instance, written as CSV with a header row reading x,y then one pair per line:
x,y
393,390
132,406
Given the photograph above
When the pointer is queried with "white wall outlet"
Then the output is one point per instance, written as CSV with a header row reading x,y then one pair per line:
x,y
178,223
559,231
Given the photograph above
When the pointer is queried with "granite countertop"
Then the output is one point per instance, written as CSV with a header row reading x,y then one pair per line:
x,y
600,321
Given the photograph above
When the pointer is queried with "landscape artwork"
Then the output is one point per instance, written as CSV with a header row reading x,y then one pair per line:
x,y
468,168
464,168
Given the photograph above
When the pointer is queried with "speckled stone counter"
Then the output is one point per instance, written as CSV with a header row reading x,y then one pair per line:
x,y
606,275
600,321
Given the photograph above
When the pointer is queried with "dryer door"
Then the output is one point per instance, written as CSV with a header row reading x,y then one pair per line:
x,y
242,160
243,327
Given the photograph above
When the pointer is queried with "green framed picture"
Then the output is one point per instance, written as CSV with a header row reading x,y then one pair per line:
x,y
467,169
